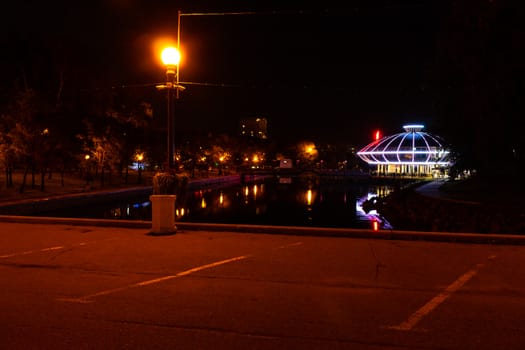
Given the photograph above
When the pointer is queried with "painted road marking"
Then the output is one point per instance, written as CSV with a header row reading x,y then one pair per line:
x,y
31,252
438,299
88,298
52,248
290,245
5,256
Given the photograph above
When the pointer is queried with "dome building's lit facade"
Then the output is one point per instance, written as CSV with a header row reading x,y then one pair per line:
x,y
410,153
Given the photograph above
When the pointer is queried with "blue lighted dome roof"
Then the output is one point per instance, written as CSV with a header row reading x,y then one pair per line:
x,y
412,147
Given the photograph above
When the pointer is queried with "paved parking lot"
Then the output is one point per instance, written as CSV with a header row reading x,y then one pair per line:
x,y
81,286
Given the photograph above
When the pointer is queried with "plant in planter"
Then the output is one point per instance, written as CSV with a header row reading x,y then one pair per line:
x,y
165,183
166,187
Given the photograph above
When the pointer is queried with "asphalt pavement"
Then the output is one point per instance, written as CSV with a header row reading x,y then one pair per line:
x,y
84,285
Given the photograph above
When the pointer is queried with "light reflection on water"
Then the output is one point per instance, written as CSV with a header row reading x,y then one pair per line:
x,y
307,202
373,215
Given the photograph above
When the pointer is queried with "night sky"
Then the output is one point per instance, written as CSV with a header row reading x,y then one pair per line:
x,y
324,72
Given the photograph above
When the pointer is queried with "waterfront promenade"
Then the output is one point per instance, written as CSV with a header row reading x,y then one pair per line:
x,y
429,208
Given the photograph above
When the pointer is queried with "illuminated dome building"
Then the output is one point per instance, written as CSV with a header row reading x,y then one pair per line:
x,y
410,153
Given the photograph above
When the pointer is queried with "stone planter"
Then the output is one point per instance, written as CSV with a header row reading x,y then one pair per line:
x,y
166,187
163,214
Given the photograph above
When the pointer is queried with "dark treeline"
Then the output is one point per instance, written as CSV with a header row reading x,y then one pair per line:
x,y
57,108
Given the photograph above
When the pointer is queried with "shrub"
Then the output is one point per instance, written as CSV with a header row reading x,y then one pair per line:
x,y
169,183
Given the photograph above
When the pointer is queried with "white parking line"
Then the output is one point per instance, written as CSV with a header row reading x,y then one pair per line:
x,y
30,252
87,298
48,249
290,245
437,300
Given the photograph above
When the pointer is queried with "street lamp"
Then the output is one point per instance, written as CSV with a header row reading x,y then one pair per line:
x,y
88,168
139,157
170,57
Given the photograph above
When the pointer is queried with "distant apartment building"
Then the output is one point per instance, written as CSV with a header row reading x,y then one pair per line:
x,y
254,127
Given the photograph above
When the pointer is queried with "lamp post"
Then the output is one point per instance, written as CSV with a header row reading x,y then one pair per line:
x,y
165,185
171,58
88,169
139,157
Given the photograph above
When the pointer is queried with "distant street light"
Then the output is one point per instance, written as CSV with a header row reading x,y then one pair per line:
x,y
170,57
139,157
87,157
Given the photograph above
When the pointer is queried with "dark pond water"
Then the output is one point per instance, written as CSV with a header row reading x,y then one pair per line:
x,y
295,201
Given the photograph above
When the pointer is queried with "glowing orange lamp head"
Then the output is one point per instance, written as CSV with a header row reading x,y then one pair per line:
x,y
170,56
